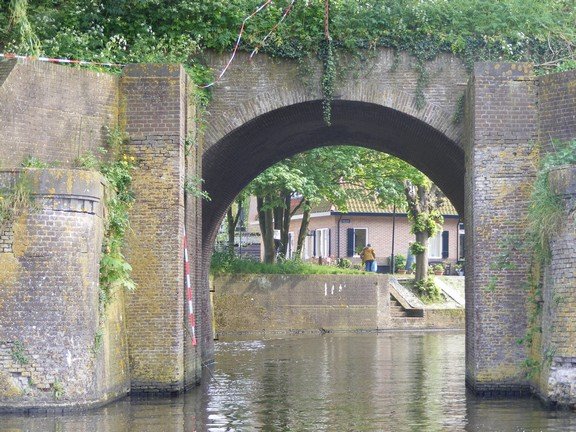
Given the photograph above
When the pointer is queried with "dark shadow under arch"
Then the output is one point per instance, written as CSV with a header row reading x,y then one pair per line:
x,y
231,163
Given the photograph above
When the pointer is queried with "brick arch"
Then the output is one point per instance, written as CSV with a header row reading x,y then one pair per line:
x,y
229,120
239,156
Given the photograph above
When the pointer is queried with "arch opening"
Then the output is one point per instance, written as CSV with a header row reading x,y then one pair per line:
x,y
231,163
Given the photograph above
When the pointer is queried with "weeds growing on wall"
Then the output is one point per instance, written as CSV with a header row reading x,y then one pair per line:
x,y
18,353
545,213
545,217
15,201
115,271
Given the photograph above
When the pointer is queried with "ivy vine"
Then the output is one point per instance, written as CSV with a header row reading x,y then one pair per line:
x,y
326,55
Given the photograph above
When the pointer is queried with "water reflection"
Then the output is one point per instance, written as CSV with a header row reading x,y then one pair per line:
x,y
332,382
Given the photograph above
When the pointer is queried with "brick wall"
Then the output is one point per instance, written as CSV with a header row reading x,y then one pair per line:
x,y
557,107
558,341
294,302
49,304
557,115
500,164
53,112
155,114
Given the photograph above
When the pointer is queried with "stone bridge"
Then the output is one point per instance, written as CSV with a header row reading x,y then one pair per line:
x,y
262,111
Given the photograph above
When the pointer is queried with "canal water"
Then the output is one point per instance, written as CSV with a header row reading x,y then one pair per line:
x,y
397,381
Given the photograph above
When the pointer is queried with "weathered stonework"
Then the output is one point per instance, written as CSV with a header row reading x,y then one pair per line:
x,y
500,166
53,113
261,112
155,112
294,303
49,298
247,303
557,383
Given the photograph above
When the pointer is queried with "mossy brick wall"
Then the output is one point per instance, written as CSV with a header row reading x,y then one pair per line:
x,y
49,312
557,355
557,382
301,302
53,112
557,107
502,128
200,290
154,111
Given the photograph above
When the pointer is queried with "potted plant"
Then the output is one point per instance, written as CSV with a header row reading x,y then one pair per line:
x,y
459,269
400,263
438,269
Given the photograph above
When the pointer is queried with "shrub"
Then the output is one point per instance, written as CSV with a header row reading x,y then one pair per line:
x,y
428,290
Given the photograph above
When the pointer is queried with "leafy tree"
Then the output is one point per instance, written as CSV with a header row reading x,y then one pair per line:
x,y
297,183
424,201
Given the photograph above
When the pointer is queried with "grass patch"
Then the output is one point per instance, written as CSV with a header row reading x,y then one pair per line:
x,y
223,263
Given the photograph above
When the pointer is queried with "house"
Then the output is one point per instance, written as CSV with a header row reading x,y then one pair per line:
x,y
335,234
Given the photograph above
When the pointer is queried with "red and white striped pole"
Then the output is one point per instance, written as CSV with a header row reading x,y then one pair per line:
x,y
190,303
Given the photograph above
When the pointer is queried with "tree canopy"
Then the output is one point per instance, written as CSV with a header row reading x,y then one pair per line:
x,y
297,183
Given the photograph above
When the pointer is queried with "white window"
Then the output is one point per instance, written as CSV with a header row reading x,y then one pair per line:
x,y
360,240
306,248
461,250
322,245
435,246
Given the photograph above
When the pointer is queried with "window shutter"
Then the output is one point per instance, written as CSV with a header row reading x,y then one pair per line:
x,y
350,242
329,242
445,245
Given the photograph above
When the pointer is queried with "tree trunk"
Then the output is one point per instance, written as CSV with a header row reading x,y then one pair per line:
x,y
285,226
232,222
303,230
266,222
422,259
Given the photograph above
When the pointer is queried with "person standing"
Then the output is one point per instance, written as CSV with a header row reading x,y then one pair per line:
x,y
368,257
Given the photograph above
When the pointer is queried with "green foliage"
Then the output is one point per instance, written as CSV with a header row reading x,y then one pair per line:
x,y
459,112
58,389
15,201
20,33
429,222
193,186
399,261
132,31
225,262
343,263
34,162
546,211
428,290
531,367
326,54
115,272
417,248
18,353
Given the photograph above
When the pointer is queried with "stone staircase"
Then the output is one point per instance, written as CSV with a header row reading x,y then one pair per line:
x,y
405,308
396,308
